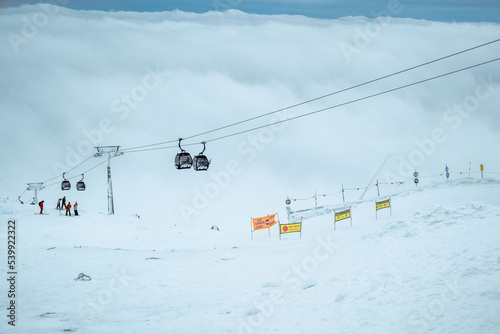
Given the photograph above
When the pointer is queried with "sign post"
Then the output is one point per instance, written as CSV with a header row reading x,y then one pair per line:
x,y
263,223
382,205
291,228
341,215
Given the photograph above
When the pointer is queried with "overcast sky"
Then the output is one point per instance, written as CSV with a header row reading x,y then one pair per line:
x,y
436,10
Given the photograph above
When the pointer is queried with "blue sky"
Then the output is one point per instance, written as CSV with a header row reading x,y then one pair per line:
x,y
436,10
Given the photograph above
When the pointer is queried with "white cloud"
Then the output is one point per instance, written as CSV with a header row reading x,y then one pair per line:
x,y
62,82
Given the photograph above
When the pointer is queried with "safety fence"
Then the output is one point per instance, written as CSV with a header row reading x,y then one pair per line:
x,y
322,202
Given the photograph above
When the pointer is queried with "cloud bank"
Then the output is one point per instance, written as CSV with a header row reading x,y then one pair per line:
x,y
72,80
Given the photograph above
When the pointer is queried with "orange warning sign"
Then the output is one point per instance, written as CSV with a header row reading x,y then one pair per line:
x,y
264,222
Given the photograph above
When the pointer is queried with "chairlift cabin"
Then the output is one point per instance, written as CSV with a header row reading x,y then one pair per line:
x,y
65,185
183,159
200,161
80,185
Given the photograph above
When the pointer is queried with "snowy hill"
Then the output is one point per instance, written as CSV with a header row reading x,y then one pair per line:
x,y
433,266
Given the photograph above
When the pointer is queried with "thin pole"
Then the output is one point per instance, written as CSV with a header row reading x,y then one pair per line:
x,y
350,215
251,227
315,201
301,219
111,206
374,176
334,220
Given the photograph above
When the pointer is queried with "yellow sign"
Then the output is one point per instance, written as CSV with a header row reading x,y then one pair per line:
x,y
264,222
342,215
481,167
383,204
289,228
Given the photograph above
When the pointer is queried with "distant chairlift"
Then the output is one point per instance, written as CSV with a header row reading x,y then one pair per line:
x,y
65,185
80,185
183,159
200,161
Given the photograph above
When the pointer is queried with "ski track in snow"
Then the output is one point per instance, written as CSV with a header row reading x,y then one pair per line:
x,y
433,266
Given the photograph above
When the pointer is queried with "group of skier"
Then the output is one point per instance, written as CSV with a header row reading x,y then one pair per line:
x,y
61,205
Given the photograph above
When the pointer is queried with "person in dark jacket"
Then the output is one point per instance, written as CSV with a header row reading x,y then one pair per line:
x,y
63,203
41,206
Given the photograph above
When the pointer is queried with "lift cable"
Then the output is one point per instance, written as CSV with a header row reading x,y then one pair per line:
x,y
315,99
148,147
328,108
70,178
354,101
81,163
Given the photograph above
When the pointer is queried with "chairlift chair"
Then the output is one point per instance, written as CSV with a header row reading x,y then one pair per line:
x,y
80,185
183,159
200,161
65,185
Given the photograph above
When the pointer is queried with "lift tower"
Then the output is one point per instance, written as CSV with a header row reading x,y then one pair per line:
x,y
36,187
111,152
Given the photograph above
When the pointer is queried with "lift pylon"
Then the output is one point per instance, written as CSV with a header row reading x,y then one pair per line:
x,y
111,152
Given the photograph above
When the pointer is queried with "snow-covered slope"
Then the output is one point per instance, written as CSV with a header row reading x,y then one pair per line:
x,y
433,266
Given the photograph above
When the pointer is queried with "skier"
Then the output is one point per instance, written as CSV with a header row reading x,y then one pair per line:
x,y
40,204
75,208
68,208
63,202
58,204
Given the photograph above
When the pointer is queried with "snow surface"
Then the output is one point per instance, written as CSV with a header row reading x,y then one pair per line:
x,y
433,266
